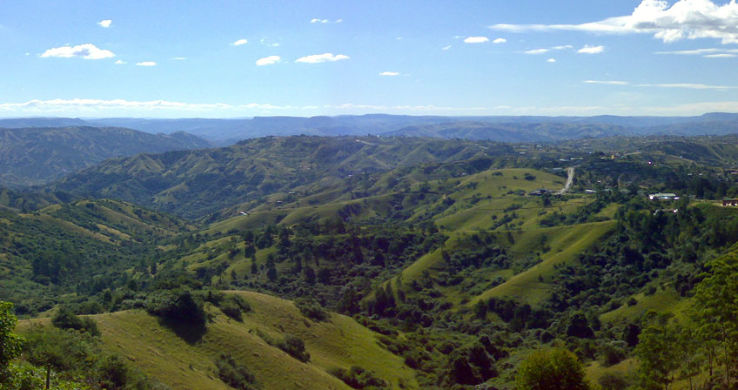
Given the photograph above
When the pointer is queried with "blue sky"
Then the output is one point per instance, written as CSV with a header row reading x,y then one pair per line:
x,y
303,58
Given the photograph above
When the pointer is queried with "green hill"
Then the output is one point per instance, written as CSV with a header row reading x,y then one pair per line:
x,y
38,155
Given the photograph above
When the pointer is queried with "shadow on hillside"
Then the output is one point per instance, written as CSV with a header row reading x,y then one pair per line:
x,y
189,332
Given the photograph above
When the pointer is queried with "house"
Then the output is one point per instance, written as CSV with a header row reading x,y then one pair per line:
x,y
730,202
663,196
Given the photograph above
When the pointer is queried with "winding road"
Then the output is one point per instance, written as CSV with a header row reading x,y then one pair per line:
x,y
569,181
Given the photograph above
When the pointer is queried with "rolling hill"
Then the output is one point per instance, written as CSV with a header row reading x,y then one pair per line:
x,y
38,155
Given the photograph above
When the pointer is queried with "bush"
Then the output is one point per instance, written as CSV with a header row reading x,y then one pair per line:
x,y
66,319
551,369
292,345
233,306
234,374
358,378
311,309
295,347
178,306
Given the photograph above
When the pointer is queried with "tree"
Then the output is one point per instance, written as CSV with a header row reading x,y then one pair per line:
x,y
10,344
658,355
551,369
716,312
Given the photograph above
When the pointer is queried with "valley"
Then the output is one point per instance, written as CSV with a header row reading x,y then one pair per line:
x,y
373,262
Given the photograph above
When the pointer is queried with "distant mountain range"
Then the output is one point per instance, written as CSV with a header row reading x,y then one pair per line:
x,y
37,155
496,128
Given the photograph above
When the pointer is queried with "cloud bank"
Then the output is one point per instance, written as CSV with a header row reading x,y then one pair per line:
x,y
685,19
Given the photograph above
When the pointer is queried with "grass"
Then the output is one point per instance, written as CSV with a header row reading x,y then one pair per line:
x,y
663,301
338,342
566,242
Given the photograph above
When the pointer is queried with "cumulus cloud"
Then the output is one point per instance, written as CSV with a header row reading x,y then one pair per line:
x,y
499,40
87,51
476,39
120,62
685,19
146,63
587,49
240,42
551,60
446,47
271,60
389,74
105,23
536,51
319,58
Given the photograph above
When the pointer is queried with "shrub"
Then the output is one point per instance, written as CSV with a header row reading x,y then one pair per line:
x,y
65,319
233,306
295,347
551,369
234,374
358,378
311,309
177,306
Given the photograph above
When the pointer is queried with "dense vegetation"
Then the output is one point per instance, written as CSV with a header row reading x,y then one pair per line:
x,y
457,258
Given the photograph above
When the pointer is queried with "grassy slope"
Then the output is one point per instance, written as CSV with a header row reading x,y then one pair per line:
x,y
566,243
339,342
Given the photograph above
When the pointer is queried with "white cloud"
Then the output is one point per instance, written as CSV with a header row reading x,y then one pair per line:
x,y
105,23
324,21
551,60
240,42
146,63
265,42
179,58
173,109
662,85
87,51
688,86
706,53
389,74
325,57
536,51
120,62
720,55
685,19
587,49
476,39
271,60
499,40
446,47
606,82
562,47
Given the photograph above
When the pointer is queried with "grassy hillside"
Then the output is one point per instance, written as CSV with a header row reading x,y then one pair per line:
x,y
339,342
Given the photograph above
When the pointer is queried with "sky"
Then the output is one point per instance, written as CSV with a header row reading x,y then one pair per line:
x,y
224,59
